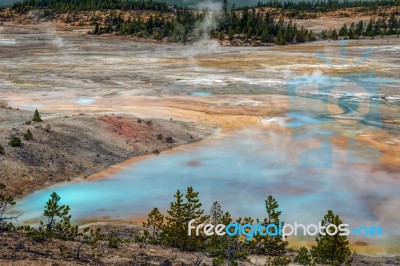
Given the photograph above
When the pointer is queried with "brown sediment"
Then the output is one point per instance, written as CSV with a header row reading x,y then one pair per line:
x,y
389,147
255,61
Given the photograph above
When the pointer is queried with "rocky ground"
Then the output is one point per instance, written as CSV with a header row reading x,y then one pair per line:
x,y
68,147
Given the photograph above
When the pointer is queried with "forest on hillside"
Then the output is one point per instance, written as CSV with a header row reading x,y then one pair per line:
x,y
302,5
240,26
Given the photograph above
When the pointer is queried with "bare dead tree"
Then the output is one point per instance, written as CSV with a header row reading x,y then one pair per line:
x,y
5,202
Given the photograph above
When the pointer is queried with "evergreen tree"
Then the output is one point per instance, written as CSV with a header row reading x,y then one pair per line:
x,y
28,135
269,244
216,213
57,221
343,31
193,210
216,244
37,117
225,6
280,39
155,221
226,250
332,250
175,232
334,35
360,28
15,142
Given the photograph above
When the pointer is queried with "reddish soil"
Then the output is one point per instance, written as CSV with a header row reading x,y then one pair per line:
x,y
133,131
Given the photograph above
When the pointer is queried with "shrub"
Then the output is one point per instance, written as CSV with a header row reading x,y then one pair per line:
x,y
169,140
278,261
36,235
218,261
114,241
303,257
15,142
28,135
37,117
47,128
88,237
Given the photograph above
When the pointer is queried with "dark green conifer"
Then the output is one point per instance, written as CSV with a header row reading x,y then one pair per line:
x,y
332,250
37,117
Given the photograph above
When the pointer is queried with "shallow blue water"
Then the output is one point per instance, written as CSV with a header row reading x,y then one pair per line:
x,y
84,101
200,93
240,170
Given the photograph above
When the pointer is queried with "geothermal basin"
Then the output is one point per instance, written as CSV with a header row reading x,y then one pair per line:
x,y
316,125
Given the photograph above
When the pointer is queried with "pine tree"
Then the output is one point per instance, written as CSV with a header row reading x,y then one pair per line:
x,y
216,213
334,35
37,117
216,244
226,250
28,135
332,250
280,39
15,142
155,221
57,222
175,232
360,28
268,244
225,6
343,31
193,211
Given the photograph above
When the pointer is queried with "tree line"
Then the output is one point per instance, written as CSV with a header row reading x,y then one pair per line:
x,y
171,230
87,5
253,25
327,6
186,26
375,27
372,28
182,27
